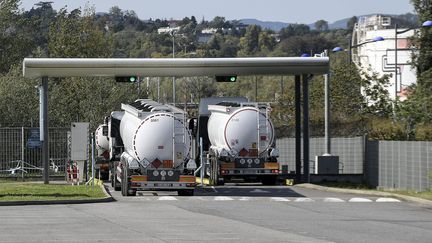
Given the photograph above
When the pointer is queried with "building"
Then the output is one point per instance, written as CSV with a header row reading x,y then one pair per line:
x,y
379,56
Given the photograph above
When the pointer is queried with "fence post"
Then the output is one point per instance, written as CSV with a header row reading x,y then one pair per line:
x,y
365,167
22,153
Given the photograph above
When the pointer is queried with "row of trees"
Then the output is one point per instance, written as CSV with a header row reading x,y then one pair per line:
x,y
44,32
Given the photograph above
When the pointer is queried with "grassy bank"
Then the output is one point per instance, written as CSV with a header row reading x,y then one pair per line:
x,y
29,191
425,194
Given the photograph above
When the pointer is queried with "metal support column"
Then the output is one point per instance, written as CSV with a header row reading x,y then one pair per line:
x,y
306,176
298,128
44,127
327,113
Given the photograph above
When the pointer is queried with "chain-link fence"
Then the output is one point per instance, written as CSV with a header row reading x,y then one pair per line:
x,y
21,152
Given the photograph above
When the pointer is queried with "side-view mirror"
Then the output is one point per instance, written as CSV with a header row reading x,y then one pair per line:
x,y
105,130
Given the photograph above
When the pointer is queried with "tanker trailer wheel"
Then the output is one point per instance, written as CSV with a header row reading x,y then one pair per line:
x,y
269,180
185,192
125,185
115,183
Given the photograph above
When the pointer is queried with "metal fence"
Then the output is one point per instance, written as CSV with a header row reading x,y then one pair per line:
x,y
349,150
20,152
399,164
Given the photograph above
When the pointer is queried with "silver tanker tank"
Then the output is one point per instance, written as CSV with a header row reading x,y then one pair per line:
x,y
236,127
148,128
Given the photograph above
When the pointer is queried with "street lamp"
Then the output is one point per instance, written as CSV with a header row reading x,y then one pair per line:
x,y
427,23
173,56
375,39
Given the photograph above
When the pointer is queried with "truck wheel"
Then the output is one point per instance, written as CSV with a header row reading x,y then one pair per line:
x,y
115,183
220,181
186,192
125,187
269,180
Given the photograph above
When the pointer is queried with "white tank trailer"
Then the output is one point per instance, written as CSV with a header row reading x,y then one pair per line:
x,y
102,152
156,149
241,137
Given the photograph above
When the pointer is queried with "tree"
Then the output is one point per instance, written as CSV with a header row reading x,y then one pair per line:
x,y
249,44
321,25
351,23
15,44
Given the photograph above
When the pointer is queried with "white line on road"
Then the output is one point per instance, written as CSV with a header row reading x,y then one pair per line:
x,y
221,198
279,199
167,198
259,191
359,199
303,199
386,199
244,199
333,199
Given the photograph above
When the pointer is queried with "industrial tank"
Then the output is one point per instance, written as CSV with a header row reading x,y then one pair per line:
x,y
236,128
147,133
102,142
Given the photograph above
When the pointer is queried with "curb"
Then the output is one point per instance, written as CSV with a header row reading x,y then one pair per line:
x,y
106,199
366,192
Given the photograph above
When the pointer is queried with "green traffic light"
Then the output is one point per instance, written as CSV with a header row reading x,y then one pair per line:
x,y
233,79
132,79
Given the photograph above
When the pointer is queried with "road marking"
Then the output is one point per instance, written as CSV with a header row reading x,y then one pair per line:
x,y
244,199
359,199
167,198
386,199
333,199
221,198
304,199
259,191
279,199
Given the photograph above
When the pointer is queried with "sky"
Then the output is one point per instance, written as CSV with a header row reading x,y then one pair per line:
x,y
289,11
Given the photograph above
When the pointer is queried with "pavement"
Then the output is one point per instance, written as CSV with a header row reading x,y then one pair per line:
x,y
230,213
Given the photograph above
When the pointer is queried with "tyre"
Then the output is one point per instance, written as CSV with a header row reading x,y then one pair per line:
x,y
186,192
115,183
125,185
269,180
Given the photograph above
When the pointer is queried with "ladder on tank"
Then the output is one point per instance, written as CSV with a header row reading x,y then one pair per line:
x,y
262,127
179,137
262,124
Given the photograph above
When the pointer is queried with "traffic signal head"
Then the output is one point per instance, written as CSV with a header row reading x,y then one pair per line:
x,y
127,79
229,78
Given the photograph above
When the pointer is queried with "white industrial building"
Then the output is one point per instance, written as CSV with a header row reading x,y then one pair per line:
x,y
379,56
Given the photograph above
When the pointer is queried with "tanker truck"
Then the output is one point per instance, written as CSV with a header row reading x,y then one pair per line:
x,y
150,146
238,138
102,152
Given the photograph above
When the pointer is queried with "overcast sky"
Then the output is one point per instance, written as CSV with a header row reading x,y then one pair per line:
x,y
290,11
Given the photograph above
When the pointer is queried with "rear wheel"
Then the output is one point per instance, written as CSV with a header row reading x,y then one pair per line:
x,y
115,183
186,192
269,180
125,185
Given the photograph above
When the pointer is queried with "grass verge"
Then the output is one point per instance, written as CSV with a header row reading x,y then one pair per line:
x,y
425,194
28,191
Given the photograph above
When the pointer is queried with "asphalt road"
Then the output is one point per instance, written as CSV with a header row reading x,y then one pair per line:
x,y
223,214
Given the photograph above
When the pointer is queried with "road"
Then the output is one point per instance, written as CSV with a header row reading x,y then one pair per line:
x,y
223,214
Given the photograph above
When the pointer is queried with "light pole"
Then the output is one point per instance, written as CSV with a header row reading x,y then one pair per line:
x,y
173,78
427,23
351,46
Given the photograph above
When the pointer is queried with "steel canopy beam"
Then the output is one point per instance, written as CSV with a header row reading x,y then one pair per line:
x,y
168,67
